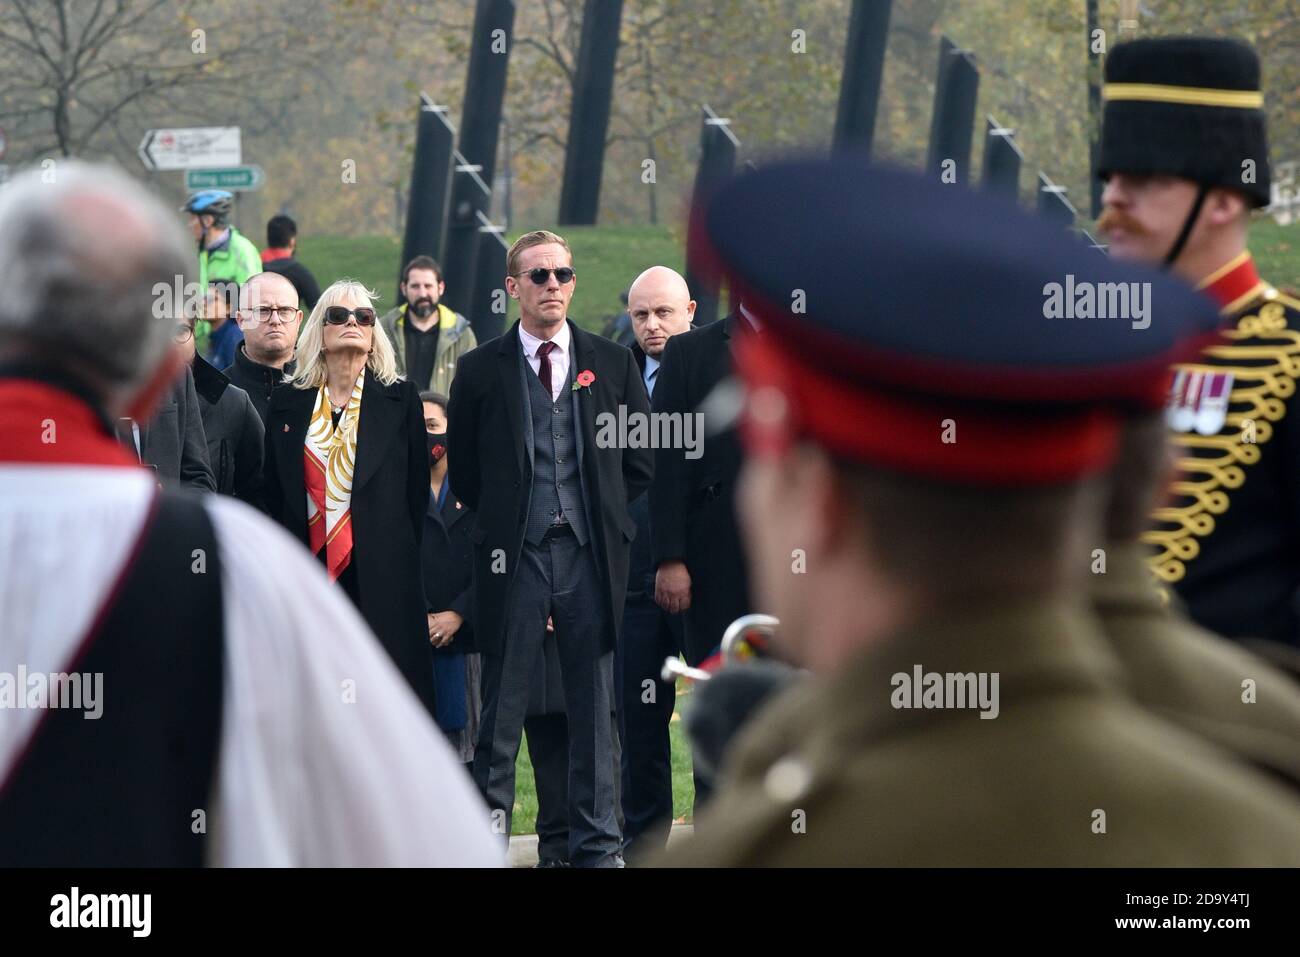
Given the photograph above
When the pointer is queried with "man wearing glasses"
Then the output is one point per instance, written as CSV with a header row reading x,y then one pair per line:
x,y
552,530
269,318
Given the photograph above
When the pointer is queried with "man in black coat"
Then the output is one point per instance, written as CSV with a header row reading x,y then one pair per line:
x,y
695,541
232,428
172,442
661,307
552,528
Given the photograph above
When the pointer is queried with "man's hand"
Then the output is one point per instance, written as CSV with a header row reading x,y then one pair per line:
x,y
443,627
673,587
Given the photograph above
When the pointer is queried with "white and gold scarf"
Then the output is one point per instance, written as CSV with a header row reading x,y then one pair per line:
x,y
329,457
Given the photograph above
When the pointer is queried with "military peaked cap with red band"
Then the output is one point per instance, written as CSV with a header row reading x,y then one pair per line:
x,y
934,330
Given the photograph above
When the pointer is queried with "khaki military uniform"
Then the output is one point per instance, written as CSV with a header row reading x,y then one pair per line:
x,y
1193,677
1070,772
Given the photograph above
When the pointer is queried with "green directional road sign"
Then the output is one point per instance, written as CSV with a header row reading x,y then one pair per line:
x,y
235,178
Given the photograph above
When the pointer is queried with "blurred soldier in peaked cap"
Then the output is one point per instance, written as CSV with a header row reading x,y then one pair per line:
x,y
1184,153
928,448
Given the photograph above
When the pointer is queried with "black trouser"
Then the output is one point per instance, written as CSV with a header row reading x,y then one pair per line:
x,y
548,749
557,578
646,705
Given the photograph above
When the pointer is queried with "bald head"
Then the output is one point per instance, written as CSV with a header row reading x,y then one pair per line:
x,y
272,287
269,338
661,306
103,312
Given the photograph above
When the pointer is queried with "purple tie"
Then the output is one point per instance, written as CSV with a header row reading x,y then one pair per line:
x,y
544,365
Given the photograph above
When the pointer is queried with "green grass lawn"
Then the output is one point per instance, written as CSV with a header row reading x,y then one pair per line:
x,y
606,258
1277,253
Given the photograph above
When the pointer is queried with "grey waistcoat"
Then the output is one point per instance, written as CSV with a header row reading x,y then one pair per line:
x,y
557,482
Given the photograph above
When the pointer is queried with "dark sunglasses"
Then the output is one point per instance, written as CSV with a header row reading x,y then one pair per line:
x,y
338,316
541,276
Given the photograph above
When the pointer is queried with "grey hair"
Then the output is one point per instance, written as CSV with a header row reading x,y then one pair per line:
x,y
86,256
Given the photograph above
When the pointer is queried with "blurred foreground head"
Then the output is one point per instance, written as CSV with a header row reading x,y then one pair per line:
x,y
929,424
90,265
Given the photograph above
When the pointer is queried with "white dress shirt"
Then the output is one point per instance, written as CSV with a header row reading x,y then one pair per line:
x,y
304,777
559,355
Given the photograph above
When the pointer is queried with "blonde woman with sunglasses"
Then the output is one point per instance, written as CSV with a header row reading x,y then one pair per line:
x,y
347,471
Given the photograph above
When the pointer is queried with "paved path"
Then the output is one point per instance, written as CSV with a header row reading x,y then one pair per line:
x,y
523,847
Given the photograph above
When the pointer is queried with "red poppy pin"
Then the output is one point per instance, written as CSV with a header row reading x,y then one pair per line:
x,y
584,380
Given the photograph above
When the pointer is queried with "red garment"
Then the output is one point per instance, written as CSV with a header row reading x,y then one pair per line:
x,y
865,423
44,425
272,253
1238,282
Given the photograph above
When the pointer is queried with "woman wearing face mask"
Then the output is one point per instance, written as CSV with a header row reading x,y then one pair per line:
x,y
347,472
449,592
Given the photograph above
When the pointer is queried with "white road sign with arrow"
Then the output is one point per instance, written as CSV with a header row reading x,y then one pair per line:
x,y
195,147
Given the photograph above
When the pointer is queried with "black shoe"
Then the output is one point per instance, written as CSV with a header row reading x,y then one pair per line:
x,y
549,862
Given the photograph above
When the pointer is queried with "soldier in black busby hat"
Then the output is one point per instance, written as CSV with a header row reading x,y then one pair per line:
x,y
1185,158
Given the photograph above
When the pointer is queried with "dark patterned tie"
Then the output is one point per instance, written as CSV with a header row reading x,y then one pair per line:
x,y
544,365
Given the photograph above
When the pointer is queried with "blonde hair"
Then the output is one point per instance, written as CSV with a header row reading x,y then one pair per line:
x,y
538,237
382,362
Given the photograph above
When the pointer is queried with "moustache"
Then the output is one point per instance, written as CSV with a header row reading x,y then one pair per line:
x,y
423,307
1112,218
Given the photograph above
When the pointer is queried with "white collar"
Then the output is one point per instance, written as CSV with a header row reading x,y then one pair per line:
x,y
651,363
530,342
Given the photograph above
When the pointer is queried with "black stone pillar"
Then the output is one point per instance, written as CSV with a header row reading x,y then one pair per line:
x,y
426,204
953,124
864,62
593,89
1000,170
717,164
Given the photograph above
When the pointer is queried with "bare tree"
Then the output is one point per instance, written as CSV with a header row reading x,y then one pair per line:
x,y
79,77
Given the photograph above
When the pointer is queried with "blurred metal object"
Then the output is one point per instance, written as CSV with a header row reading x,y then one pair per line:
x,y
675,667
737,646
735,640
